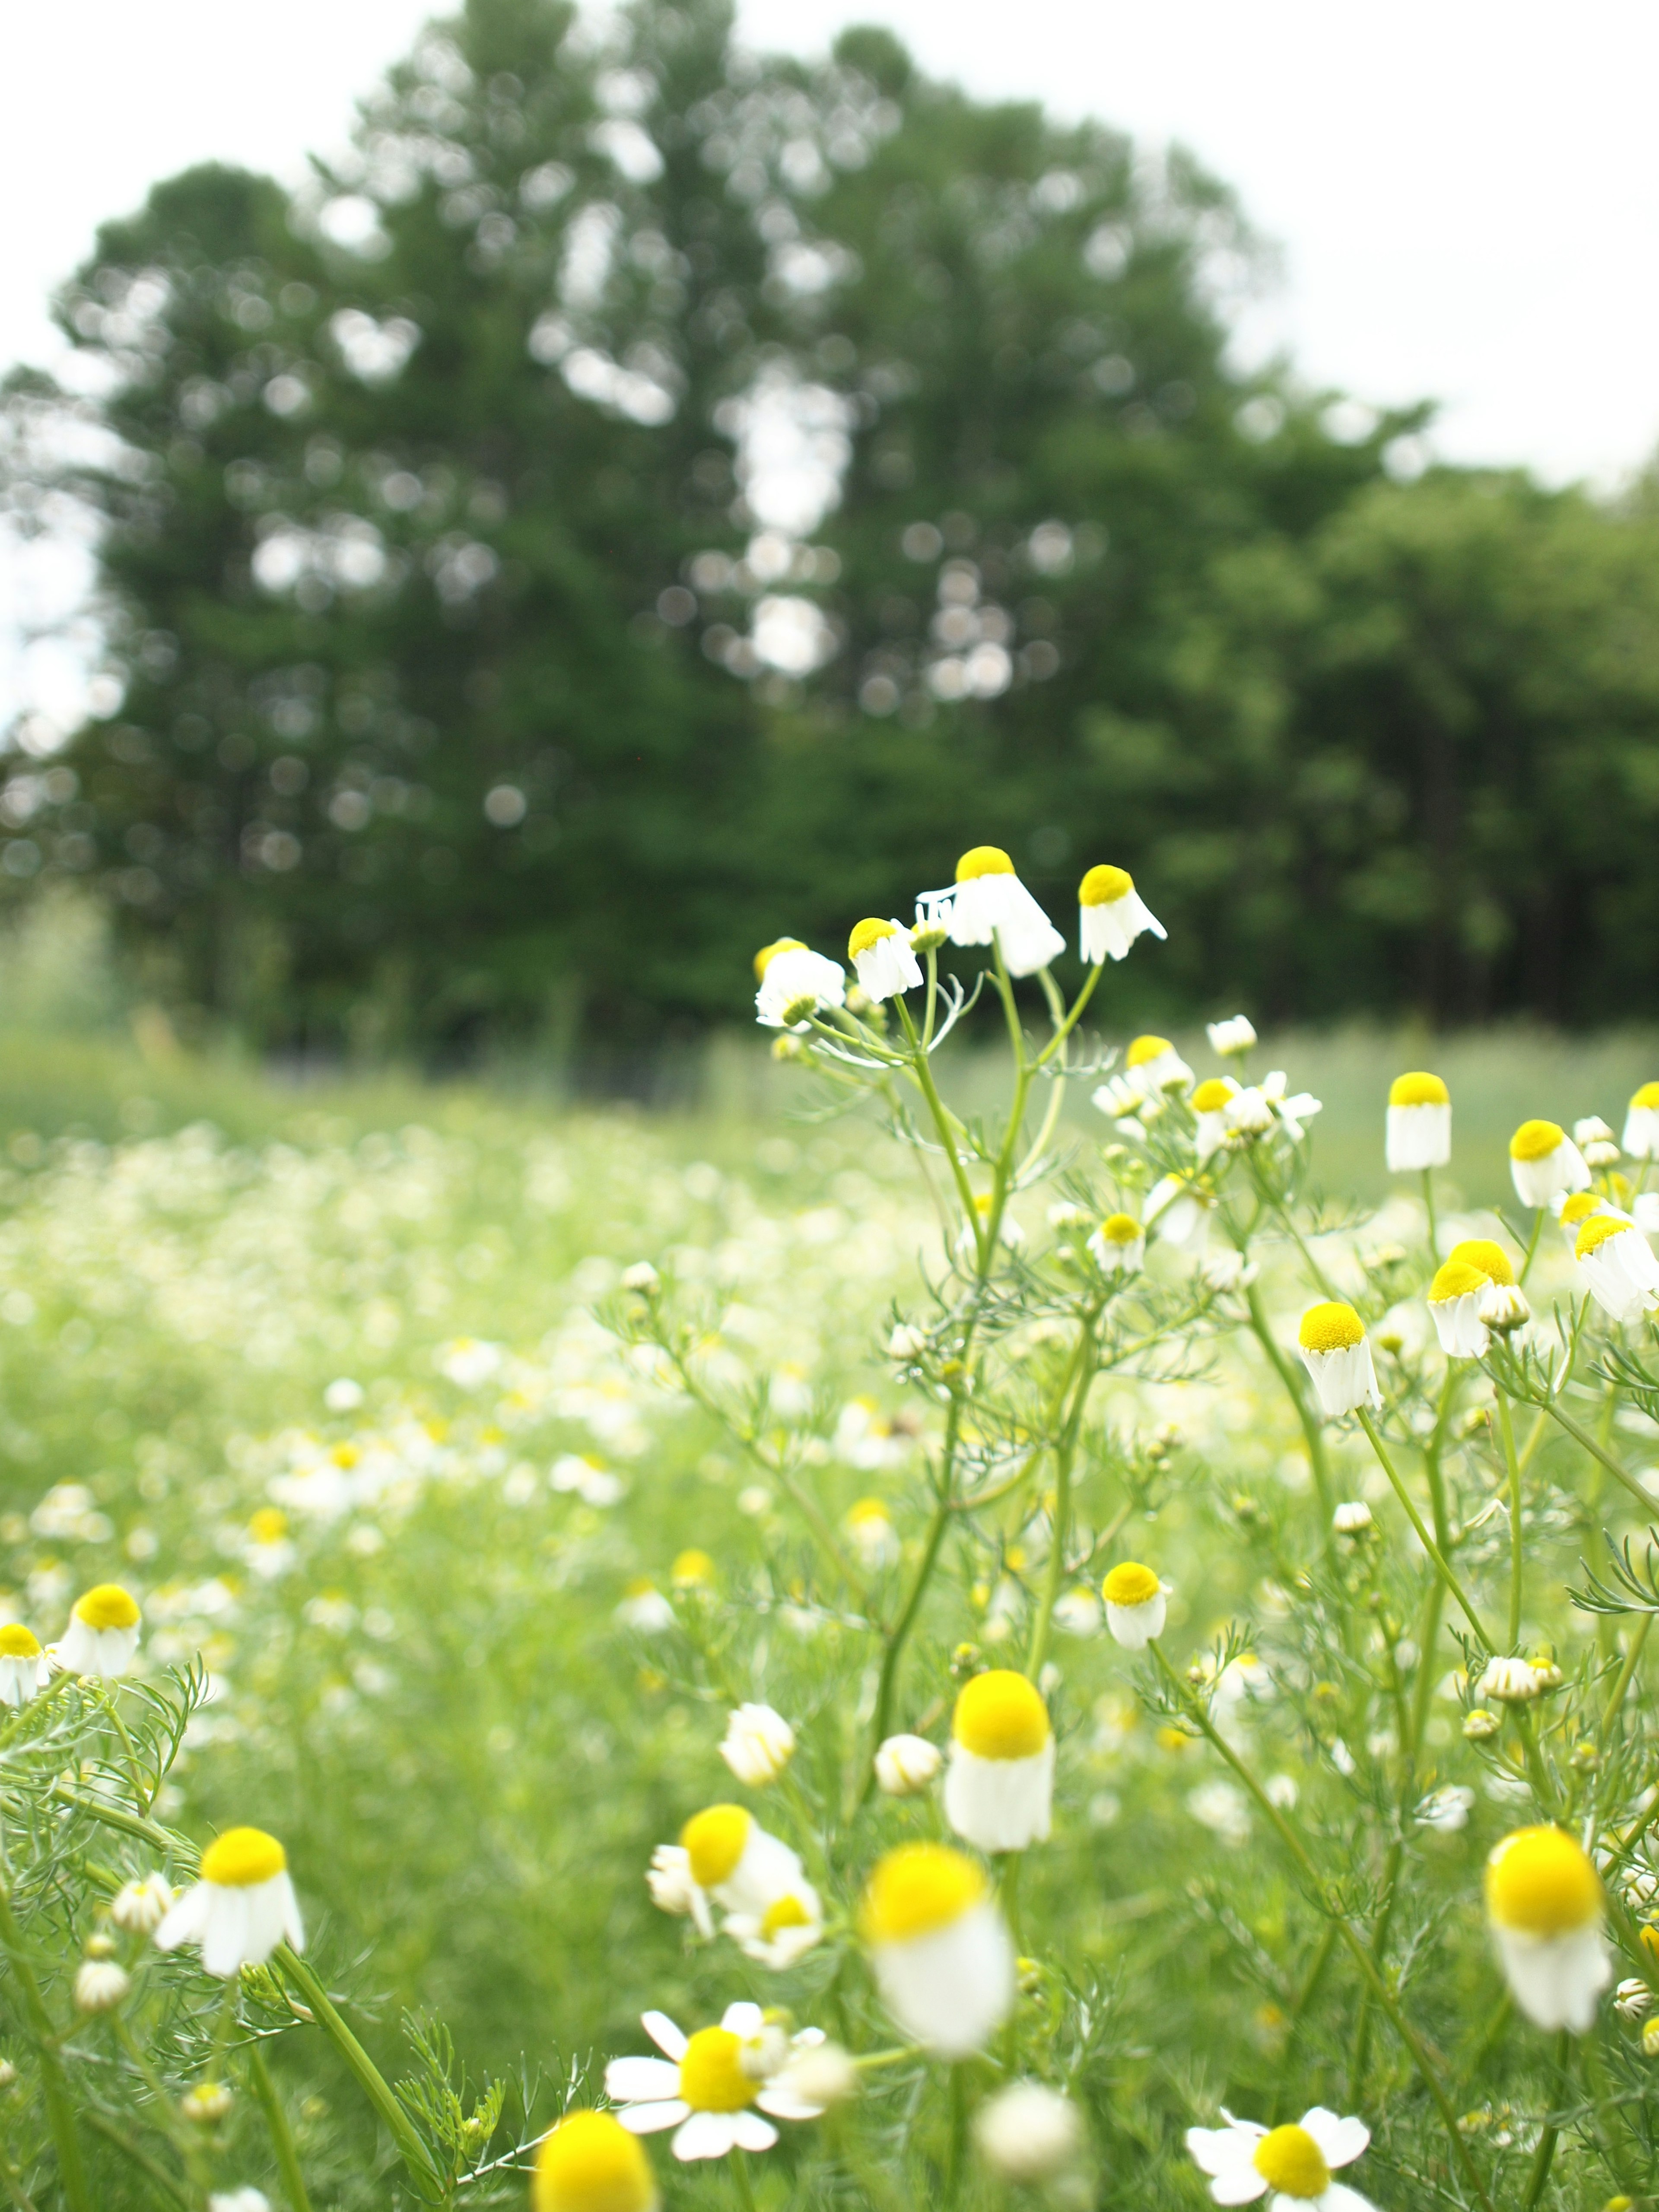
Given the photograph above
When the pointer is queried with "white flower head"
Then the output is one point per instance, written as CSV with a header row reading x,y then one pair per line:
x,y
755,1880
939,1947
1337,1355
1508,1681
1418,1133
1446,1810
641,1276
1210,1102
140,1906
906,1764
102,1636
24,1667
1633,1999
1544,1904
907,1343
819,2073
1352,1517
1111,915
1641,1138
1118,1247
238,2200
871,1531
1293,1108
1153,1066
101,1985
1028,2133
644,1608
673,1888
1543,1162
241,1908
1136,1604
999,1790
1455,1297
1290,2167
758,1745
1180,1213
795,983
883,959
1232,1038
990,903
702,2089
1619,1266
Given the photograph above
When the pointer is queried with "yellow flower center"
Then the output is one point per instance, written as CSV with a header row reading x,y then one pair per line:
x,y
1130,1584
869,1513
1536,1140
1580,1206
1211,1095
1541,1883
108,1606
787,1912
917,1889
1000,1715
1333,1327
769,953
1145,1048
983,861
1481,1253
1104,886
590,2163
268,1525
715,1841
17,1642
242,1858
712,2079
691,1567
1119,1229
1289,2160
1419,1088
1456,1279
868,933
1595,1233
1647,1096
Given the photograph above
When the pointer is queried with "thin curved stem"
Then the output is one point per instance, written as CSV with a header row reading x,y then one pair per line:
x,y
1423,1536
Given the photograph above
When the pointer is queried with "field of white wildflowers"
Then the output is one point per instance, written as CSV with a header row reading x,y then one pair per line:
x,y
964,1657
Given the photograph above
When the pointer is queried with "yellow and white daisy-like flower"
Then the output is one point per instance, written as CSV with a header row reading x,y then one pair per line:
x,y
1572,1211
23,1668
1595,1141
1337,1354
1544,1902
1210,1103
939,1949
1641,1138
1510,1680
1543,1161
1118,1247
906,1764
873,1537
1352,1518
998,1791
590,2163
989,901
754,1877
1290,2167
711,2088
1180,1213
241,1908
1232,1038
1292,1108
1418,1123
758,1744
644,1608
795,983
883,959
1454,1296
1619,1266
1136,1604
1153,1066
140,1906
102,1636
1009,1231
1111,915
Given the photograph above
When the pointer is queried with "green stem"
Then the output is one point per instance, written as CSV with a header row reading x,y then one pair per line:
x,y
1506,1429
1428,1201
1423,1535
1059,1527
1581,1435
1532,1246
152,2169
1321,1959
1313,1435
54,2086
741,2183
403,2131
281,2135
1627,1675
929,1089
134,1772
1546,2142
1070,1020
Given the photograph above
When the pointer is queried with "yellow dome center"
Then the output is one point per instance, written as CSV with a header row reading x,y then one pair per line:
x,y
242,1858
1580,1206
769,953
1104,886
917,1889
1536,1140
712,2079
1130,1584
1647,1096
786,1913
1419,1088
714,1841
1145,1048
1481,1253
1119,1229
17,1642
1333,1327
869,933
691,1567
1000,1715
1289,2160
1598,1230
1456,1279
268,1525
869,1513
1211,1095
1540,1882
590,2163
983,861
108,1606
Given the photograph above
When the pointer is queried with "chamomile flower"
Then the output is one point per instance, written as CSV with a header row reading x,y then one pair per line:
x,y
102,1636
1294,1109
241,1908
1544,1160
1641,1138
644,1608
1454,1296
23,1668
1290,2167
1154,1066
709,2087
140,1906
1446,1810
673,1889
748,1873
1619,1266
1009,1231
990,903
873,1537
906,1764
758,1745
1510,1680
1232,1038
796,984
939,1947
1136,1604
882,959
1419,1133
101,1985
1118,1247
1595,1140
785,1932
1544,1902
1028,2133
1111,915
1180,1212
1210,1103
1337,1354
590,2163
998,1790
1573,1210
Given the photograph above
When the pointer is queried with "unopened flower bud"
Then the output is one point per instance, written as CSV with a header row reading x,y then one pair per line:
x,y
8,2073
641,1276
140,1906
1027,2133
206,2102
101,1985
1352,1519
669,1880
1633,1998
1511,1681
1503,1307
758,1745
100,1947
905,1765
927,936
1480,1723
906,1342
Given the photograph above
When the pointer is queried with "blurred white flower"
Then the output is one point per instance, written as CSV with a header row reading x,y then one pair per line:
x,y
242,1907
1231,1038
905,1765
758,1744
1027,2133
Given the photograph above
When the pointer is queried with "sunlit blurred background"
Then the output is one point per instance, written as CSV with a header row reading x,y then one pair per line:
x,y
502,515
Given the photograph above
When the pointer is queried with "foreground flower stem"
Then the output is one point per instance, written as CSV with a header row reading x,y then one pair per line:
x,y
185,2139
929,1090
1598,1451
281,2135
60,2112
1546,2142
1423,1536
740,2181
1506,1429
1080,1376
1428,1202
410,2147
1313,1435
1627,1675
1199,1714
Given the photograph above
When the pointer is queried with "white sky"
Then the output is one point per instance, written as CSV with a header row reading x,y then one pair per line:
x,y
1465,190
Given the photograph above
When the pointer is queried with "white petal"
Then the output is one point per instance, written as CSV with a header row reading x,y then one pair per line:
x,y
183,1922
782,2106
752,2132
664,2033
1001,1804
651,2119
1340,2140
743,2019
1338,2197
951,1988
640,2081
224,1939
705,2134
1238,2184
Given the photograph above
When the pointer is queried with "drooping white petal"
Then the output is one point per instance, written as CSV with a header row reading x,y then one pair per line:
x,y
225,1938
705,2135
1238,2184
752,2132
664,2033
1001,1804
1338,2197
184,1920
1556,1980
